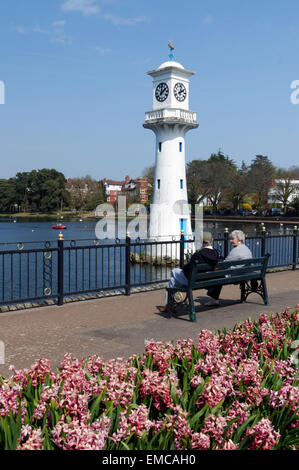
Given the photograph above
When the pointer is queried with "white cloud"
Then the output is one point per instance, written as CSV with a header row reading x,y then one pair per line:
x,y
103,50
59,23
38,29
56,33
20,29
91,7
207,19
62,39
120,21
86,7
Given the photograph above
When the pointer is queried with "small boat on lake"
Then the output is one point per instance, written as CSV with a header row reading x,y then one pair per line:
x,y
59,226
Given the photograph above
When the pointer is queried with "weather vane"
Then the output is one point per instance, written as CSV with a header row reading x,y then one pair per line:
x,y
171,47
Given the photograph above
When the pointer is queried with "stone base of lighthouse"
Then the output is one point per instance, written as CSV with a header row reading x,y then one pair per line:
x,y
167,249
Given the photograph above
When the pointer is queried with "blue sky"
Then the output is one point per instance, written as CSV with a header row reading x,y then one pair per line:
x,y
77,90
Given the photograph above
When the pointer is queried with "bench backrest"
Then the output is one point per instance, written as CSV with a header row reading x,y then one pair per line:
x,y
202,272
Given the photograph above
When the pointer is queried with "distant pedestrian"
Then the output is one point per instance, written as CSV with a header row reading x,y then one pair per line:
x,y
206,255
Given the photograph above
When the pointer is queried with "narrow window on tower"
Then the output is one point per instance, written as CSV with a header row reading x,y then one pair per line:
x,y
181,146
181,184
158,184
160,146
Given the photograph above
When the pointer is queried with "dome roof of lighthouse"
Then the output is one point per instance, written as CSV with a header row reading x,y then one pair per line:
x,y
170,63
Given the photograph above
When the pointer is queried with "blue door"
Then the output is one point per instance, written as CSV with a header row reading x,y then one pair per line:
x,y
183,226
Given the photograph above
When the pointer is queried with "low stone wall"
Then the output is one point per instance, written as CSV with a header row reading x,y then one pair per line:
x,y
78,298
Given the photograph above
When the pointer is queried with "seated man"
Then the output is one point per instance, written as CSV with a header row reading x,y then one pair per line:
x,y
207,255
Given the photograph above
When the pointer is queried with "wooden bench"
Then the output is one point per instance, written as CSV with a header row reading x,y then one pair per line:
x,y
250,274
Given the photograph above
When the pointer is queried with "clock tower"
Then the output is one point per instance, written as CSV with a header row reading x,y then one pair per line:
x,y
170,120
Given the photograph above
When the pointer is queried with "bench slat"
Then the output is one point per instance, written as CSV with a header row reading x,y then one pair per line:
x,y
225,280
227,264
225,272
245,262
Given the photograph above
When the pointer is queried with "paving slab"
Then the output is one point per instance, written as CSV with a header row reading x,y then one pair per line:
x,y
118,326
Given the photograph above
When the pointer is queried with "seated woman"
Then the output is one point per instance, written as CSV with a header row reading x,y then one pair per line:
x,y
239,251
209,255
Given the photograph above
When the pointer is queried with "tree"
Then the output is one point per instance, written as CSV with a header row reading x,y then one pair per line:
x,y
295,204
196,192
41,190
239,186
46,190
86,193
261,174
21,188
209,179
95,194
216,177
294,171
8,196
284,188
78,193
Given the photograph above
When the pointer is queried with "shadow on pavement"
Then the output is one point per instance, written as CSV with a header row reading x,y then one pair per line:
x,y
181,310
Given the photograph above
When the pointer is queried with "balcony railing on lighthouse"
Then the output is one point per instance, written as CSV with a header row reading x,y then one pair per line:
x,y
172,114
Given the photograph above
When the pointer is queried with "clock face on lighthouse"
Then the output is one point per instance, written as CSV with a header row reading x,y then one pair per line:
x,y
180,92
161,92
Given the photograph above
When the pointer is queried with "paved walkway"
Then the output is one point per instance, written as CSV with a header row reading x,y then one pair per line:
x,y
118,326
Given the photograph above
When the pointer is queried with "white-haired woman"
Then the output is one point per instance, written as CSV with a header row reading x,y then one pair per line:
x,y
238,252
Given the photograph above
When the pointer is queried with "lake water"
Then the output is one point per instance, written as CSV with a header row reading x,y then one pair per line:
x,y
24,230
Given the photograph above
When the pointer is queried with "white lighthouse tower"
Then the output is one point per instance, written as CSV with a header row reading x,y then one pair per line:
x,y
170,120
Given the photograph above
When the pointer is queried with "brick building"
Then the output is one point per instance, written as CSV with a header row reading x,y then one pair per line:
x,y
135,188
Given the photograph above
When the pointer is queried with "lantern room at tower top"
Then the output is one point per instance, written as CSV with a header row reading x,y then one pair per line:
x,y
170,119
171,73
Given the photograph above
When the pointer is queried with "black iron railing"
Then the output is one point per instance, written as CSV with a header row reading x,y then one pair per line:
x,y
62,269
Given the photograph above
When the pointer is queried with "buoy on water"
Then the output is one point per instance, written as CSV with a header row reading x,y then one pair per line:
x,y
59,227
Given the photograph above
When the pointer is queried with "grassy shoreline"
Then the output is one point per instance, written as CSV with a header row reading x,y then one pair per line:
x,y
48,216
65,216
74,216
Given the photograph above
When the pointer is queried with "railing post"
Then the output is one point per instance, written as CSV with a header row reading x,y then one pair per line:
x,y
60,268
226,242
182,255
128,265
263,247
295,232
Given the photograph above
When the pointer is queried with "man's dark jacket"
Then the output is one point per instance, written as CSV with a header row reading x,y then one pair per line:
x,y
209,256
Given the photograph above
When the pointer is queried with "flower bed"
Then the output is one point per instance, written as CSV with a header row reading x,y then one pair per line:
x,y
234,389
